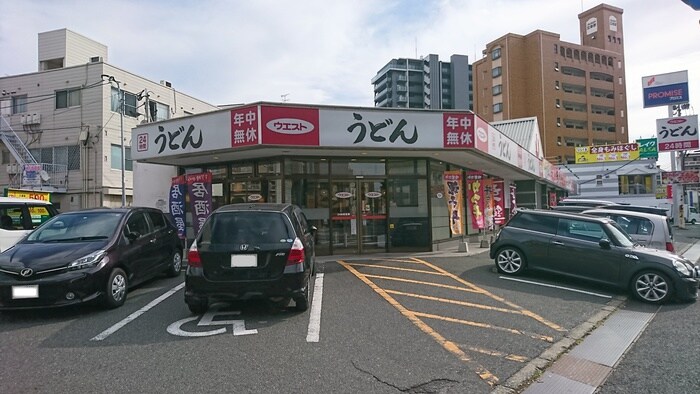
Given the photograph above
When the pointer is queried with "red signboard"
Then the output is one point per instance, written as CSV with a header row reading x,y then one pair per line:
x,y
679,133
681,177
289,126
475,195
244,126
458,130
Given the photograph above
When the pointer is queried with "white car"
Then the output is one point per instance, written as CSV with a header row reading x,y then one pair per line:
x,y
647,229
19,216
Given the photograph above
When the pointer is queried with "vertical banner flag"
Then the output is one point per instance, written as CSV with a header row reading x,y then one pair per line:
x,y
453,195
499,212
475,189
513,204
177,204
488,203
199,191
552,199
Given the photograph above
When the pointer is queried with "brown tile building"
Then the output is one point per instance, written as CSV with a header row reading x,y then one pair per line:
x,y
577,92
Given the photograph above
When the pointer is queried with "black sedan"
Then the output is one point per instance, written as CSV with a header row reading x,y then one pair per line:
x,y
88,255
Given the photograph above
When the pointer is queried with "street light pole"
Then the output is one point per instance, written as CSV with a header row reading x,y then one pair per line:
x,y
121,133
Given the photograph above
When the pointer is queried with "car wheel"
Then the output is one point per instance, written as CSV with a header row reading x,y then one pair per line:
x,y
510,261
198,308
692,221
302,301
175,265
651,286
116,288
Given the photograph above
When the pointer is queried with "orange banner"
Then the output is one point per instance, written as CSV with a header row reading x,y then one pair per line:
x,y
452,180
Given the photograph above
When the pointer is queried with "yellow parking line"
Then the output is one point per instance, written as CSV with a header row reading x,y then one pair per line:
x,y
450,346
524,311
449,301
396,268
397,260
420,282
496,353
485,325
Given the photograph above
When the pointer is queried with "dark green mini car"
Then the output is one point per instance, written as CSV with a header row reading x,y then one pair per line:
x,y
595,249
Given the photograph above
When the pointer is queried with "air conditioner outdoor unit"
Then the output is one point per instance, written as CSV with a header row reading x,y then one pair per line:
x,y
96,59
13,168
166,83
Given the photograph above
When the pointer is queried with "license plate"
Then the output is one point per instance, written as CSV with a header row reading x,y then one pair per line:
x,y
20,292
244,260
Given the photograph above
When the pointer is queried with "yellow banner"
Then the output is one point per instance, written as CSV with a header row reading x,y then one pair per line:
x,y
605,153
45,196
452,180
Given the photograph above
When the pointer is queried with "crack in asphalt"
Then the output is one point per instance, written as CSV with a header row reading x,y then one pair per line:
x,y
429,387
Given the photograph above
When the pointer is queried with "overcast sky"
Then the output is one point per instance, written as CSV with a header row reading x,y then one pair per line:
x,y
326,52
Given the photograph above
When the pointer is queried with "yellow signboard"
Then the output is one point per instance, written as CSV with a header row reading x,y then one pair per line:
x,y
44,196
606,153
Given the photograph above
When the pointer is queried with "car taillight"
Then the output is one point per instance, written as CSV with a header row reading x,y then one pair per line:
x,y
295,260
669,246
193,259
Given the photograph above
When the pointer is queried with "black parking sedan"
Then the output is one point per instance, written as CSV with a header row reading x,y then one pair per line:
x,y
88,255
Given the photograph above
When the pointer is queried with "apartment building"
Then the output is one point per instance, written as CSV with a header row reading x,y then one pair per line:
x,y
63,126
576,91
426,83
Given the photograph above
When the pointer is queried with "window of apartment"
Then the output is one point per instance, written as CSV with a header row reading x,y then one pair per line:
x,y
568,53
497,89
158,111
556,49
19,104
496,72
583,55
496,54
68,155
562,51
117,158
130,103
5,156
6,107
67,98
497,108
597,59
605,60
576,54
590,57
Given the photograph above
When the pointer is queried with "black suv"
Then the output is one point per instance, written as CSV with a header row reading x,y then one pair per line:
x,y
247,251
595,249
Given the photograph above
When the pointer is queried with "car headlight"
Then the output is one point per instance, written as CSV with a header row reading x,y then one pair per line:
x,y
89,260
682,268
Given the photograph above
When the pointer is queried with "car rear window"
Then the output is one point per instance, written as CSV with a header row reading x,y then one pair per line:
x,y
245,227
542,223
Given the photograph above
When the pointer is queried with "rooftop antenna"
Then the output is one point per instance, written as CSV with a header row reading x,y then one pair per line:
x,y
285,97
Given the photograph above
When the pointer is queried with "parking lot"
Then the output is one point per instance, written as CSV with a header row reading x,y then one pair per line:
x,y
448,322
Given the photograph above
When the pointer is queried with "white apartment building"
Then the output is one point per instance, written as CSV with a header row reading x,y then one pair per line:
x,y
62,126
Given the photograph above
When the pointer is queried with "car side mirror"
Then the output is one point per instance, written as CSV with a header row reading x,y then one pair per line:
x,y
313,229
604,243
132,235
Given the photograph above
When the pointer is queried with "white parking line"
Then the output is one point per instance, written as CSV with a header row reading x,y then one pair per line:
x,y
554,286
314,330
104,334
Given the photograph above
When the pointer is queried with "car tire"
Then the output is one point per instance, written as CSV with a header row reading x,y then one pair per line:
x,y
280,302
175,265
510,260
116,288
692,221
198,308
302,302
652,287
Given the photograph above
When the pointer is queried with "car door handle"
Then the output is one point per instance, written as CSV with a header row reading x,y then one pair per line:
x,y
558,243
152,240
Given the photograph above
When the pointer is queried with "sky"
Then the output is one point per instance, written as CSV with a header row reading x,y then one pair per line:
x,y
326,52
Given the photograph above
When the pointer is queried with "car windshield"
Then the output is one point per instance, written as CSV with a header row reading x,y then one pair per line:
x,y
78,227
619,235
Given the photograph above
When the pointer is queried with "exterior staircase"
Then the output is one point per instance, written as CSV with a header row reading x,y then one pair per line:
x,y
50,177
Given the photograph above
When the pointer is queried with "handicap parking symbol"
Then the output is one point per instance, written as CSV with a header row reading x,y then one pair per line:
x,y
208,320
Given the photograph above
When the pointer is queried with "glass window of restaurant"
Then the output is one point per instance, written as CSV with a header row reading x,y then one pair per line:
x,y
409,217
307,185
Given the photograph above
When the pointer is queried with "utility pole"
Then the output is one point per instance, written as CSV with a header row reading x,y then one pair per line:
x,y
121,132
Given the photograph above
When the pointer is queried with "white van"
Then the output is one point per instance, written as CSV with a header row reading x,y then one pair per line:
x,y
691,215
19,216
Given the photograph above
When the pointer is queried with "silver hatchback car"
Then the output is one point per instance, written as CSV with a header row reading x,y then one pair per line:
x,y
647,229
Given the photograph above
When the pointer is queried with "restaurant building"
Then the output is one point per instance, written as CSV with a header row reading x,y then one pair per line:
x,y
370,179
